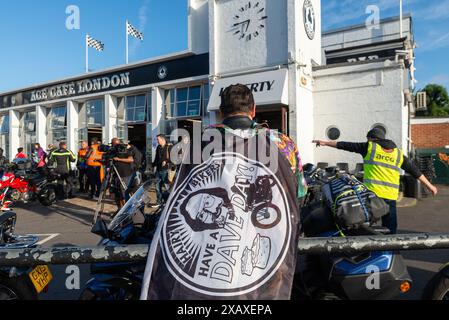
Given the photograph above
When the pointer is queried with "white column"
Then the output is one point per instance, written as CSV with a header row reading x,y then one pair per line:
x,y
41,126
157,119
110,119
14,127
301,120
72,125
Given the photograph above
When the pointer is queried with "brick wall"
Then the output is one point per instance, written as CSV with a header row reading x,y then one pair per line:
x,y
431,135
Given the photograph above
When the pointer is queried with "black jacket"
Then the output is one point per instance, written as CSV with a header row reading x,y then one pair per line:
x,y
62,158
162,154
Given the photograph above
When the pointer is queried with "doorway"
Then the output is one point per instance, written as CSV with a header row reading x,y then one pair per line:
x,y
95,133
275,119
137,135
188,125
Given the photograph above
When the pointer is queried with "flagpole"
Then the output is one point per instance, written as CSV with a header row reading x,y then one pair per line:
x,y
400,18
87,54
127,42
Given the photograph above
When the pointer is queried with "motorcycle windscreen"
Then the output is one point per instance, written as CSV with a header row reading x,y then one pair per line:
x,y
228,230
138,202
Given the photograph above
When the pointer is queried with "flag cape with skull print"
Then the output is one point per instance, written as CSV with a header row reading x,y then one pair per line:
x,y
229,227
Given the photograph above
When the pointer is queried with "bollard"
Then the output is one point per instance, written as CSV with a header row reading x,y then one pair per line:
x,y
132,253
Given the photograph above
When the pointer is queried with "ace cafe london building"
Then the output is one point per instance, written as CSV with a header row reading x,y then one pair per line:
x,y
308,84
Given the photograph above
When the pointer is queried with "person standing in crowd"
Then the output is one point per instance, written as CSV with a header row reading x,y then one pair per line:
x,y
383,162
51,147
161,163
94,168
136,178
39,155
20,154
62,158
81,165
124,162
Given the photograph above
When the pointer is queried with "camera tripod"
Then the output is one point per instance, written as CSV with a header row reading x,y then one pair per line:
x,y
111,171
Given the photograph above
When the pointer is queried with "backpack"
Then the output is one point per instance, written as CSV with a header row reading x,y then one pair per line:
x,y
352,203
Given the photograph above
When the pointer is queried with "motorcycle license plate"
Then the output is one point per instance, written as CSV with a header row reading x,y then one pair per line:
x,y
40,277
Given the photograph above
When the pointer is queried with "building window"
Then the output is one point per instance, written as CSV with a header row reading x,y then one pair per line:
x,y
4,124
136,107
95,112
58,118
30,121
58,124
381,127
4,135
183,102
333,133
28,132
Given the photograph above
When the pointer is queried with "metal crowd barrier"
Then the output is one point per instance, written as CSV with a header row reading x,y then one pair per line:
x,y
128,253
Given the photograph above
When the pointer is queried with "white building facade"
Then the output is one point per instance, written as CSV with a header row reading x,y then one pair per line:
x,y
306,84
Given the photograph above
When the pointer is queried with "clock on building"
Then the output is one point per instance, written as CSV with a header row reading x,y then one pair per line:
x,y
248,22
309,19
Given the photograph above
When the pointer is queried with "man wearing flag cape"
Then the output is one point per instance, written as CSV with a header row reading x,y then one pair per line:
x,y
229,229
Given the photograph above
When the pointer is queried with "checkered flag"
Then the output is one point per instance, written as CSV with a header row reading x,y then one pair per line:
x,y
133,31
97,45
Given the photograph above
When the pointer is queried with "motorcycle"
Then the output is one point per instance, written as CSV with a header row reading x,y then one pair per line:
x,y
344,276
20,283
134,224
23,183
438,286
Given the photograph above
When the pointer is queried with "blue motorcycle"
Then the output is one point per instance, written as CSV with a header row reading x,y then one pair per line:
x,y
438,286
367,276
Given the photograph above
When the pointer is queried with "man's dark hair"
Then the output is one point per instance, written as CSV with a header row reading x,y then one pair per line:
x,y
162,136
94,141
20,150
62,144
236,99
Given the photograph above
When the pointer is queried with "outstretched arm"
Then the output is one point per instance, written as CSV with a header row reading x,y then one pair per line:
x,y
428,185
322,143
360,148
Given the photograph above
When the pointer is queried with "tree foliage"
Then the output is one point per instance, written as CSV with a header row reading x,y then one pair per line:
x,y
437,101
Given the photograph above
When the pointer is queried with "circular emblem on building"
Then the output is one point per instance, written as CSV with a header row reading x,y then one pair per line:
x,y
227,227
309,19
162,72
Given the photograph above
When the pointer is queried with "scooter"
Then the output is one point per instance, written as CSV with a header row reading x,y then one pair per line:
x,y
20,283
367,276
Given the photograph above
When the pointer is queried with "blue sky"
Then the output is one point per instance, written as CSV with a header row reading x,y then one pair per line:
x,y
36,46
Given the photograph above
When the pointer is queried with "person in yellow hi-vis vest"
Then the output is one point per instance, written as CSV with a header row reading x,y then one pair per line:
x,y
383,162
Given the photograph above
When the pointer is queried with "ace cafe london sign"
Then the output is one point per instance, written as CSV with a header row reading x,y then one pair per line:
x,y
81,87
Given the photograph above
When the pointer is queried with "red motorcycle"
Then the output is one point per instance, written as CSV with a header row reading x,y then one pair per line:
x,y
24,183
